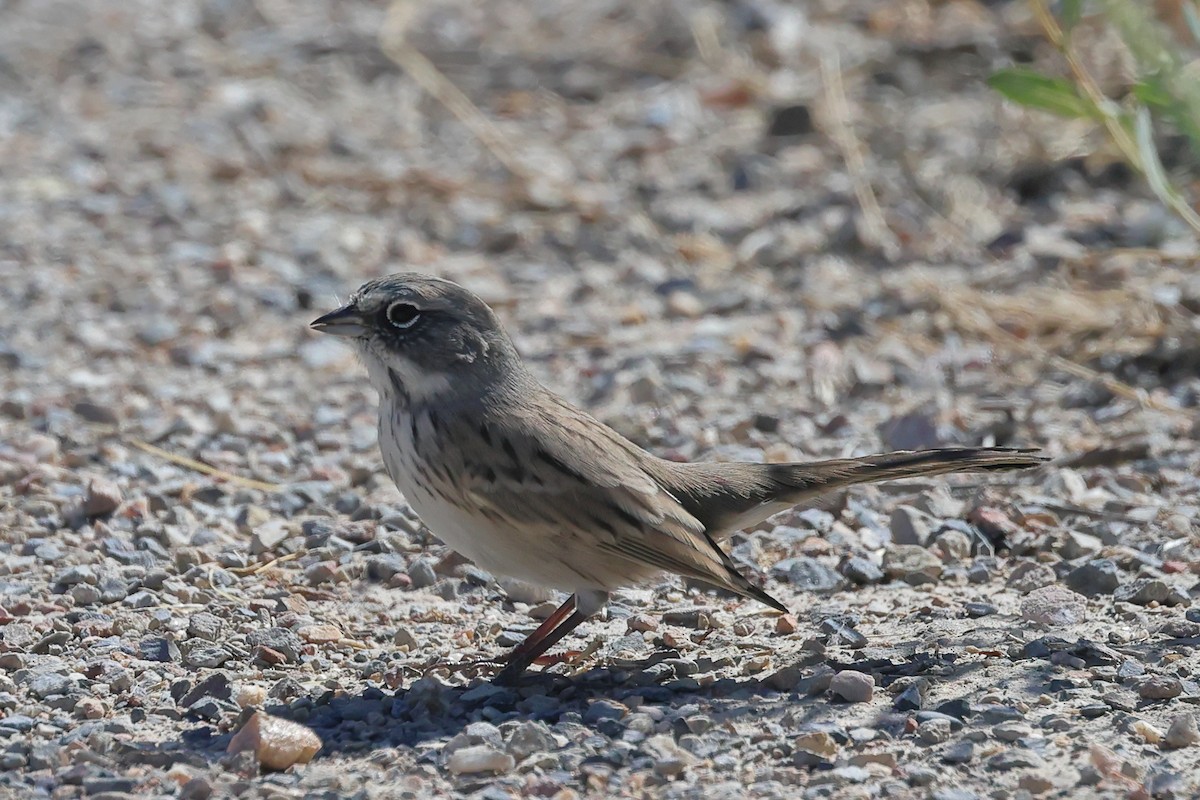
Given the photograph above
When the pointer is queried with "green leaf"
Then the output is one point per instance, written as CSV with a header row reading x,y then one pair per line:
x,y
1153,92
1070,11
1150,91
1035,90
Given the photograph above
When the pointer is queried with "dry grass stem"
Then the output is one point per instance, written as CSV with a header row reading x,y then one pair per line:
x,y
200,466
875,232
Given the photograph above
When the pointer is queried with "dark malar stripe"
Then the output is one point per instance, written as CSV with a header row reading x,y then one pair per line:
x,y
398,386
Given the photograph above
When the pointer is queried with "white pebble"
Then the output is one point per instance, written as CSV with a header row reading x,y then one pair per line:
x,y
479,758
853,686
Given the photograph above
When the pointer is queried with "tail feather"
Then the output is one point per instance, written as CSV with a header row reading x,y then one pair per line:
x,y
798,482
730,497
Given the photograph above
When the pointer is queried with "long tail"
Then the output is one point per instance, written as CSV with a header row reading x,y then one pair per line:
x,y
730,497
798,482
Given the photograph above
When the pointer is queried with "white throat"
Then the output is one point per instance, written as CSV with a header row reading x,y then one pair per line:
x,y
385,372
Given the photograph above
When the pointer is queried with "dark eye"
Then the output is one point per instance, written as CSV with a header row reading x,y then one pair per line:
x,y
403,315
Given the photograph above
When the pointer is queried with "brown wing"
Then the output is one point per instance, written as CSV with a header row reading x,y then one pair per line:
x,y
550,464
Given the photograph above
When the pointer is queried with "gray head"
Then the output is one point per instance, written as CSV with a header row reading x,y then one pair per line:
x,y
423,337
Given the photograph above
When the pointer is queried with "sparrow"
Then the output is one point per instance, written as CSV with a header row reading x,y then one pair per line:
x,y
526,485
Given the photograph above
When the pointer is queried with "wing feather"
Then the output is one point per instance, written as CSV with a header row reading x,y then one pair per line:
x,y
552,464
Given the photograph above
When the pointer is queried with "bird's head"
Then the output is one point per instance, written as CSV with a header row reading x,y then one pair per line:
x,y
426,338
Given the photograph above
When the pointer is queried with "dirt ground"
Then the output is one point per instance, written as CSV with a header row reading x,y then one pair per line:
x,y
732,230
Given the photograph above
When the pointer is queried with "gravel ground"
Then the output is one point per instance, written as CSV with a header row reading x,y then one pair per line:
x,y
676,242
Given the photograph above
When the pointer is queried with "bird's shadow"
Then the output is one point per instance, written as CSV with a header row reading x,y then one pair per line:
x,y
427,713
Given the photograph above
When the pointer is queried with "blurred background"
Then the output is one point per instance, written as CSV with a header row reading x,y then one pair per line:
x,y
829,192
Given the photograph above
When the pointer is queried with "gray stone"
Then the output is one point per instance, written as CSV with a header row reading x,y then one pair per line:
x,y
383,566
207,655
842,631
861,570
421,574
939,503
1054,606
17,722
83,573
204,625
281,640
911,699
954,545
1030,575
997,713
404,637
142,599
1097,577
934,731
953,793
1161,687
1183,731
112,589
1143,591
1015,758
157,648
85,595
214,687
46,684
1077,544
102,497
961,752
977,610
905,559
1012,731
268,536
808,575
604,709
699,618
911,526
528,738
96,412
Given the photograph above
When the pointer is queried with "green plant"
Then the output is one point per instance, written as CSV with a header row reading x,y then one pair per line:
x,y
1167,89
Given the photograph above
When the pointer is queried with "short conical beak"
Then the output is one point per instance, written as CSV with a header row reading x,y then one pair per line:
x,y
346,321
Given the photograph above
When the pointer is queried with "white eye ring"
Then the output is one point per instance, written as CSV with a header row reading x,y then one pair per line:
x,y
402,314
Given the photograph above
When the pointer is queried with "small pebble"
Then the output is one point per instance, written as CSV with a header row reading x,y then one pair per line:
x,y
1160,687
852,686
1183,731
1030,575
934,731
276,743
102,497
479,758
1054,606
641,623
902,560
250,695
1151,734
960,752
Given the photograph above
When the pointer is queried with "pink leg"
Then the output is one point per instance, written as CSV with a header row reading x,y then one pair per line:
x,y
565,619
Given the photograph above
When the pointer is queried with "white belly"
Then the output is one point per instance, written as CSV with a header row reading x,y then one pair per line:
x,y
500,549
